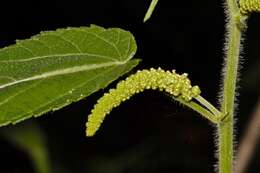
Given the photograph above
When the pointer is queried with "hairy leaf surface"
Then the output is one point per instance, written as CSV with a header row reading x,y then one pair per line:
x,y
56,68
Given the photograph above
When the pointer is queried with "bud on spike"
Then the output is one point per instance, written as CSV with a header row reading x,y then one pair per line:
x,y
249,6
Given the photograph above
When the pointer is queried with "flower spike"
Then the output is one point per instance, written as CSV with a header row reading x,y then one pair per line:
x,y
156,79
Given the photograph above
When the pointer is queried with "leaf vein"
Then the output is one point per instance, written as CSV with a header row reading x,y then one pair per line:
x,y
64,71
68,41
105,40
17,93
8,77
25,48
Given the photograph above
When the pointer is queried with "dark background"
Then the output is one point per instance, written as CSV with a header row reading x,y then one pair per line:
x,y
149,133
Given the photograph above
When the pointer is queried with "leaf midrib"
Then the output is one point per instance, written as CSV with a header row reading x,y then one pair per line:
x,y
64,71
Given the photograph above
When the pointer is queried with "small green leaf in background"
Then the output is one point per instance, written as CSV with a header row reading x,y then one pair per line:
x,y
55,68
30,138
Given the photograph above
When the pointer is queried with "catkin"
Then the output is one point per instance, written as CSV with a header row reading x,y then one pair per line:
x,y
170,82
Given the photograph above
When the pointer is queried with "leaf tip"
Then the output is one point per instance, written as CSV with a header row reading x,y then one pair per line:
x,y
150,10
146,17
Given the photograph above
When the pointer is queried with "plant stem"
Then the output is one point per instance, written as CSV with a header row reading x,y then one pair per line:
x,y
225,128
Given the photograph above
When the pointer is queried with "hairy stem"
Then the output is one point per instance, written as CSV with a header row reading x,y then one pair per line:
x,y
225,128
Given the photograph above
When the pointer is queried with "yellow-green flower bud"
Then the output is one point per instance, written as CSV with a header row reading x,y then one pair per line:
x,y
249,6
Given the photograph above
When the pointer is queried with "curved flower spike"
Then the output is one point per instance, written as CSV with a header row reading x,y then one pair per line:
x,y
156,79
249,6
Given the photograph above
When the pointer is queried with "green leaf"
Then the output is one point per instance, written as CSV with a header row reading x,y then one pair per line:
x,y
55,68
31,139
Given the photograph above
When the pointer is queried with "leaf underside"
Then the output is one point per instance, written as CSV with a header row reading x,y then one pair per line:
x,y
55,68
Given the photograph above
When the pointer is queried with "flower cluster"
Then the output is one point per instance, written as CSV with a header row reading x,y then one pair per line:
x,y
156,79
249,6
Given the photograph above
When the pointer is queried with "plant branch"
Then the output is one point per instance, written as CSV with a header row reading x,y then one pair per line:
x,y
210,107
205,112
